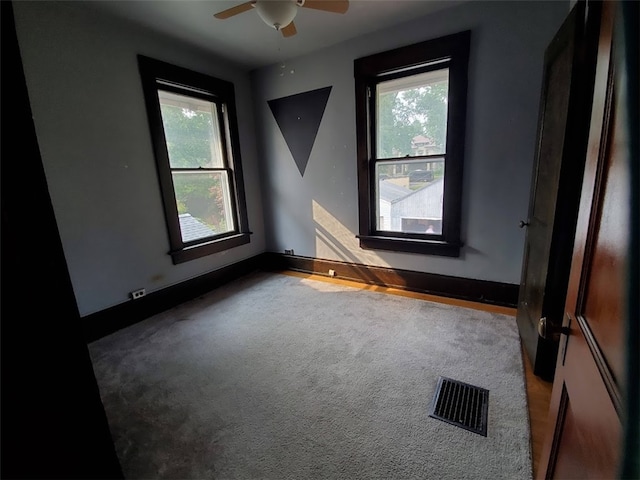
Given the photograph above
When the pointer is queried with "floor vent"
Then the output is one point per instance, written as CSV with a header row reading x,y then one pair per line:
x,y
461,404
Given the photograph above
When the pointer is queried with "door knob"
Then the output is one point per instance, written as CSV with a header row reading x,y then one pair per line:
x,y
543,330
542,327
523,224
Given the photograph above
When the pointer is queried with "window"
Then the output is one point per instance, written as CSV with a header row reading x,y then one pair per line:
x,y
193,127
410,124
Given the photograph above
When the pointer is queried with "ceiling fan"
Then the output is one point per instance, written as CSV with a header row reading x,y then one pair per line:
x,y
279,14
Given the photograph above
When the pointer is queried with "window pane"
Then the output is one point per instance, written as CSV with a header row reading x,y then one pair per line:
x,y
412,115
204,204
409,195
191,130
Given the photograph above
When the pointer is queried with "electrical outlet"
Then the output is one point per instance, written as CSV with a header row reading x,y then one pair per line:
x,y
332,273
288,252
138,294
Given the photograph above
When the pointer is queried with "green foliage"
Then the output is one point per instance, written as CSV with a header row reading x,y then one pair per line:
x,y
406,114
438,171
188,135
201,195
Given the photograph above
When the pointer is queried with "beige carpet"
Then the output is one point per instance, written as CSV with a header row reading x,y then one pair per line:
x,y
279,377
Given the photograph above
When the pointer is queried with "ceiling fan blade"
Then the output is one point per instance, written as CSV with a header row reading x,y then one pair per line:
x,y
335,6
289,30
230,12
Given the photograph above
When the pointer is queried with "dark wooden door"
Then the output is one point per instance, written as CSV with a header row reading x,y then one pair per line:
x,y
53,422
585,435
562,138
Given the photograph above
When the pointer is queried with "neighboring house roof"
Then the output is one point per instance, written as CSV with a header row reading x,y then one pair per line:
x,y
422,139
423,203
389,191
192,228
433,189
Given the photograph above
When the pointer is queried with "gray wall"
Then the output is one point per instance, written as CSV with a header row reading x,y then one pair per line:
x,y
90,119
317,215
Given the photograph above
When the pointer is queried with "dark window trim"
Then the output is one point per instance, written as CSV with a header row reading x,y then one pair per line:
x,y
451,52
155,75
414,157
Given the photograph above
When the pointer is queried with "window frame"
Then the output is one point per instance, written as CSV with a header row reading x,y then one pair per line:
x,y
157,75
452,52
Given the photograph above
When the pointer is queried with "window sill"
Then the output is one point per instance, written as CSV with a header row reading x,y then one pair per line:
x,y
410,245
196,251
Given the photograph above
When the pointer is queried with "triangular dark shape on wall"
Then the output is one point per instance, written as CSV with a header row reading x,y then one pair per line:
x,y
299,117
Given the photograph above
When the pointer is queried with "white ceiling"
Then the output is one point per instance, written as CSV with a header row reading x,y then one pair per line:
x,y
248,41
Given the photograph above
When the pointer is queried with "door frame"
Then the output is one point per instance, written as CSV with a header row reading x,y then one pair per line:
x,y
581,27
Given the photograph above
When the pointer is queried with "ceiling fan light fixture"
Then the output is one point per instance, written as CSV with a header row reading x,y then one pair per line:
x,y
277,13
